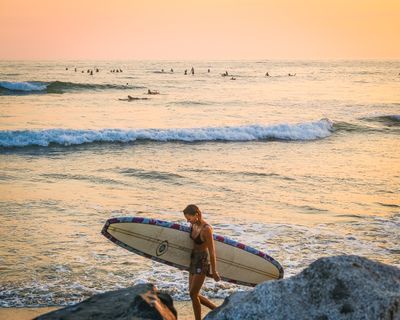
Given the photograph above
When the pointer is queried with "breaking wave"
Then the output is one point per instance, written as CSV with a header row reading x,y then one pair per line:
x,y
289,132
35,87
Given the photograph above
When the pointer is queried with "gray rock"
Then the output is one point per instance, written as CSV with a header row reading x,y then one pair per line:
x,y
342,287
139,302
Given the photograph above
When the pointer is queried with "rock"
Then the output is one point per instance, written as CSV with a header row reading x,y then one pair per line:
x,y
342,287
139,302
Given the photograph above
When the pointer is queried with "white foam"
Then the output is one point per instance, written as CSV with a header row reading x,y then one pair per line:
x,y
371,237
302,131
23,86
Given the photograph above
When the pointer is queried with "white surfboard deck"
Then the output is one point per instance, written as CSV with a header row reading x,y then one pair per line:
x,y
169,243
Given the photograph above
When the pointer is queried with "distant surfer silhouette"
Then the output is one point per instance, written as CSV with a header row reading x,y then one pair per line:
x,y
130,98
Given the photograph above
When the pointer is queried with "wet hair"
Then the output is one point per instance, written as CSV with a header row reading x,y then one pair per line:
x,y
192,210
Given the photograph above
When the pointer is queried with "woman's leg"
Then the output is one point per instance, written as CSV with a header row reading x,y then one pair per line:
x,y
205,302
196,283
190,280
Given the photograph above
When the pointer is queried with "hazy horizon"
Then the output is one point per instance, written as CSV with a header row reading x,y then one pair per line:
x,y
204,60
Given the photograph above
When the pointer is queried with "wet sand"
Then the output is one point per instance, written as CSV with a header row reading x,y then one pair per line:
x,y
184,309
23,313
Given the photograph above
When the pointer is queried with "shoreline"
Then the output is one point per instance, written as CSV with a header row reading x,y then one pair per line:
x,y
184,309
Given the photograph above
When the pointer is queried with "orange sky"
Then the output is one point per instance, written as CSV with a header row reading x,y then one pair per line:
x,y
199,29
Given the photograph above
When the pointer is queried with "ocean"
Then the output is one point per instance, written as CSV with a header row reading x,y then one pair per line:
x,y
301,166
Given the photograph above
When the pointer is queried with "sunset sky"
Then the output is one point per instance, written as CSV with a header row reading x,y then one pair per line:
x,y
199,29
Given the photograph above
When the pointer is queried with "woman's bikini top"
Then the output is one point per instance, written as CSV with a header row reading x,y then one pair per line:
x,y
197,240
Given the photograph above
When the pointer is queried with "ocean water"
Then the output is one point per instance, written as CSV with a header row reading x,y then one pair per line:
x,y
300,167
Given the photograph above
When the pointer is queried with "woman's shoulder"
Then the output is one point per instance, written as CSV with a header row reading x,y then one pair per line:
x,y
207,226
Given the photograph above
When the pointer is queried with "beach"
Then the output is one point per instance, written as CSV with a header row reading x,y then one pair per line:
x,y
300,167
24,313
183,308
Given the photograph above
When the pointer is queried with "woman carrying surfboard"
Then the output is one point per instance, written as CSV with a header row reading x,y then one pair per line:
x,y
202,235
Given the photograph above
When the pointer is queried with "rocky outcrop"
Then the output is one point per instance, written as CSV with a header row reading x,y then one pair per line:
x,y
334,288
342,287
139,302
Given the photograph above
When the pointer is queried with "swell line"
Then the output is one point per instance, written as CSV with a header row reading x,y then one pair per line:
x,y
66,137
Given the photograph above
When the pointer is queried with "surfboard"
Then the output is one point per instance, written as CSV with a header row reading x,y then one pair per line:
x,y
169,243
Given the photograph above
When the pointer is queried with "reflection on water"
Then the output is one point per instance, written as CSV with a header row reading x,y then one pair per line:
x,y
296,200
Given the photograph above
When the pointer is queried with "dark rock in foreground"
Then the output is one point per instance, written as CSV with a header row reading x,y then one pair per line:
x,y
343,287
139,302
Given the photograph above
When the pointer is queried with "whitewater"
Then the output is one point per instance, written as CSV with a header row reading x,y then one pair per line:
x,y
299,167
304,131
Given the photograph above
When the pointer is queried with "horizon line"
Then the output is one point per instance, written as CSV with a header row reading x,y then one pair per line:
x,y
202,59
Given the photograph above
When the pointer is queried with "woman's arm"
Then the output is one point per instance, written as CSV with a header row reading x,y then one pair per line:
x,y
211,249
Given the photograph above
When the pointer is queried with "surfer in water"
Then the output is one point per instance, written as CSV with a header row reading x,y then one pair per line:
x,y
130,98
203,245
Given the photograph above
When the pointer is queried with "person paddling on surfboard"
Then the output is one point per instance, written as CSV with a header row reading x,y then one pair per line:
x,y
202,235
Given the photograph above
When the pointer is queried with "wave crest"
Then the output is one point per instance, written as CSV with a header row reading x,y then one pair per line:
x,y
23,86
389,117
7,87
389,120
303,131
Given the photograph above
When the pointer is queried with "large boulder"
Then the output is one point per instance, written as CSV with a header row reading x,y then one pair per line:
x,y
139,302
342,287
